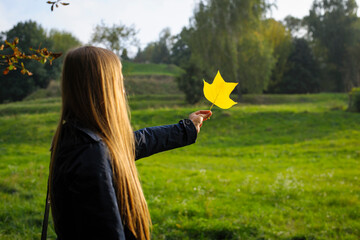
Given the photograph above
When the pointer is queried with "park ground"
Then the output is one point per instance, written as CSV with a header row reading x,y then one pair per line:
x,y
272,167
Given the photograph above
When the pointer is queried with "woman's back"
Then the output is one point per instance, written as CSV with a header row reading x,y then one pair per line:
x,y
94,186
84,203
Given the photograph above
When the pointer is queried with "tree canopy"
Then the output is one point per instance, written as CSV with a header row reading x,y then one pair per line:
x,y
334,31
227,36
115,38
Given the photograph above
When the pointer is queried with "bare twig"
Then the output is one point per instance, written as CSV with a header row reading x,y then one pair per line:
x,y
56,4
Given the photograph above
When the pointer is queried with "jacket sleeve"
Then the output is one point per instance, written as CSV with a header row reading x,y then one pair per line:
x,y
152,140
91,201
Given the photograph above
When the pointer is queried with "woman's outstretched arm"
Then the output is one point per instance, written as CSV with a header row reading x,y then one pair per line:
x,y
152,140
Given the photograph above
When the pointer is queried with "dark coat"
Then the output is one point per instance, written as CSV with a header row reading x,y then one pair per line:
x,y
84,204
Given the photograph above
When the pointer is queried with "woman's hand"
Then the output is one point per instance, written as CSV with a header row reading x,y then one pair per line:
x,y
198,117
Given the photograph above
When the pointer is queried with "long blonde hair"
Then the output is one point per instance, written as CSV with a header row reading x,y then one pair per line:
x,y
93,94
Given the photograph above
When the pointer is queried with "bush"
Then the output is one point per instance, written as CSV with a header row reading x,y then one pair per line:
x,y
53,90
191,83
15,86
301,74
354,100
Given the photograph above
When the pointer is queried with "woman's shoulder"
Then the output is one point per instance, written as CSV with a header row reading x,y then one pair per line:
x,y
81,149
75,133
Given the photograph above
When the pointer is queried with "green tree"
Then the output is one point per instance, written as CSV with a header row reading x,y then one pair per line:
x,y
280,41
124,55
115,37
62,42
302,71
256,62
332,27
157,52
352,72
293,25
146,54
180,51
189,82
161,52
15,86
225,35
139,56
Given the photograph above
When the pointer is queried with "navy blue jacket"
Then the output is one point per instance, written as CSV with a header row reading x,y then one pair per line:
x,y
84,204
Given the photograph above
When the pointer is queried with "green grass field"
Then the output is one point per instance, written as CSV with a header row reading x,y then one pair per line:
x,y
141,69
273,167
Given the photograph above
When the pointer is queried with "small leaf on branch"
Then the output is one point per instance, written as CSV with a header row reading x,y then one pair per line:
x,y
16,41
56,55
9,44
12,60
6,71
219,92
65,4
25,71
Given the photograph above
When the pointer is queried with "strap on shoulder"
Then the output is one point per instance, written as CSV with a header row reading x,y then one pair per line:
x,y
46,214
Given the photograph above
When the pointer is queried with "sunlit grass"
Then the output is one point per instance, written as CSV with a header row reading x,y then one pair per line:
x,y
140,69
272,167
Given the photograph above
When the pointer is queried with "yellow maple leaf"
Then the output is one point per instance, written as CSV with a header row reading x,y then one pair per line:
x,y
219,92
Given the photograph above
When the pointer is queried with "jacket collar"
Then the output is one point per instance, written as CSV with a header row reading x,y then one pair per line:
x,y
85,130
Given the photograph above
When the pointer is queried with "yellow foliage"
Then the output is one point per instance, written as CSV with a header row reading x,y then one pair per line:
x,y
219,92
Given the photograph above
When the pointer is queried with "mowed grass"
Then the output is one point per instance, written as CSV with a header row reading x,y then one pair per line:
x,y
150,69
273,167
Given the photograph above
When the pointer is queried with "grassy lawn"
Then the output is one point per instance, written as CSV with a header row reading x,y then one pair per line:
x,y
140,69
272,167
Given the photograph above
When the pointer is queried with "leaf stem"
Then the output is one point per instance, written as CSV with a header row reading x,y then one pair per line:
x,y
211,106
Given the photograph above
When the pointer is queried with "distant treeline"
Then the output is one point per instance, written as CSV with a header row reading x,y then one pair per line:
x,y
319,53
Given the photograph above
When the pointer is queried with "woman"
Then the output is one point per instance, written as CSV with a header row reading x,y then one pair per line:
x,y
94,187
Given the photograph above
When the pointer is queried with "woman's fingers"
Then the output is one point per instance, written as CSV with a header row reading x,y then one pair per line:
x,y
204,113
198,117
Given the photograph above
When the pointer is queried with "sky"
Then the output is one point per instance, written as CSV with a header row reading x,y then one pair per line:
x,y
148,16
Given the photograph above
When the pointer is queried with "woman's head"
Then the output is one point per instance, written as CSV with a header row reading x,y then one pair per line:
x,y
92,85
93,94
